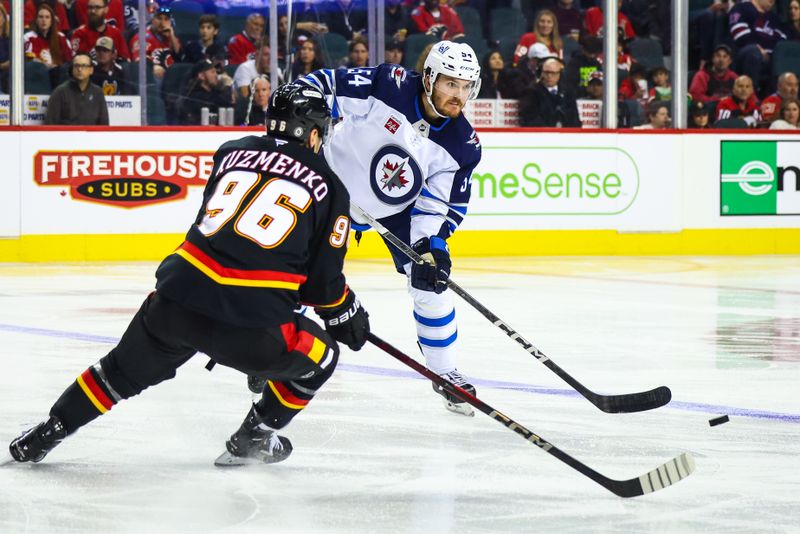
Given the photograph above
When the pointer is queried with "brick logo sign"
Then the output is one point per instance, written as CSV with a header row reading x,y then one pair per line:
x,y
123,179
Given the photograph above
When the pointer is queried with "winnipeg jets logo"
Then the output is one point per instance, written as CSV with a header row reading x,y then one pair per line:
x,y
399,75
394,174
473,140
396,178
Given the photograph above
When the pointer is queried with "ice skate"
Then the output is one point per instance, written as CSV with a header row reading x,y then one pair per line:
x,y
451,402
34,444
254,442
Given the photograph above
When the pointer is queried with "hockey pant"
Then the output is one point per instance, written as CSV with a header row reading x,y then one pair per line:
x,y
434,315
297,358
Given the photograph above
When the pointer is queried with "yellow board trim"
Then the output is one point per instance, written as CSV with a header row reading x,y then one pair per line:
x,y
479,243
282,400
85,388
224,280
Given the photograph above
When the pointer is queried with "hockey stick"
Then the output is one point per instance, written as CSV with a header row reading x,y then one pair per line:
x,y
664,475
624,403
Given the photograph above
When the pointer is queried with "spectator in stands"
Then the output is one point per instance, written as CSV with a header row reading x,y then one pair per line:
x,y
714,82
787,89
309,59
163,45
495,78
250,69
583,64
703,28
439,20
115,15
526,74
61,18
394,52
208,44
205,91
242,46
251,111
108,75
5,49
593,20
789,117
86,36
755,30
545,31
396,21
569,18
624,59
742,104
657,116
635,86
661,88
698,115
594,87
44,43
649,18
348,18
549,104
357,54
78,101
793,18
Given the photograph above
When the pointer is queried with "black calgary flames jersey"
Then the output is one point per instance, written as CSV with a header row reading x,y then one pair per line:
x,y
272,233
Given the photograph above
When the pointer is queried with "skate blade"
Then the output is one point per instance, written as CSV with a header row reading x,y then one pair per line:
x,y
6,459
461,408
226,459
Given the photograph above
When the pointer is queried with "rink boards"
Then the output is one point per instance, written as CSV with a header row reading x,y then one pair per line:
x,y
130,194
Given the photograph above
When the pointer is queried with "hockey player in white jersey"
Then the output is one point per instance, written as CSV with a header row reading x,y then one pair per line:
x,y
406,154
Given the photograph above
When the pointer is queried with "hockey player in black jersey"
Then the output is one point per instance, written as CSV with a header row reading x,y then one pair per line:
x,y
271,234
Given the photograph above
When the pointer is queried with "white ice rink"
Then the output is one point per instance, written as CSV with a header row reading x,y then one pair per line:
x,y
377,452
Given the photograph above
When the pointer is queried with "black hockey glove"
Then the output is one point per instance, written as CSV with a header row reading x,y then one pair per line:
x,y
433,274
347,323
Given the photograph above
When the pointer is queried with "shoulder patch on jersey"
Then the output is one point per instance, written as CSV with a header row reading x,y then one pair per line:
x,y
399,75
393,124
395,177
474,140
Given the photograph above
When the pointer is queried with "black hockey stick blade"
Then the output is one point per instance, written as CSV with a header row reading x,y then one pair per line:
x,y
659,478
623,403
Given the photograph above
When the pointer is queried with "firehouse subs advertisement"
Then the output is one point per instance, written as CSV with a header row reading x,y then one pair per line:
x,y
151,182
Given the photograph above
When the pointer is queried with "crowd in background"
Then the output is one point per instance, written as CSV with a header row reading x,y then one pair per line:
x,y
204,56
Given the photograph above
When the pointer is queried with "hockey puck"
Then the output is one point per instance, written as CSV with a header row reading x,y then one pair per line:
x,y
718,420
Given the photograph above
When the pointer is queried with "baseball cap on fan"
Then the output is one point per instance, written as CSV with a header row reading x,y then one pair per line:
x,y
106,43
539,51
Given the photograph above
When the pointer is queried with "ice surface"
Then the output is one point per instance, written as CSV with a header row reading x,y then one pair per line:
x,y
377,452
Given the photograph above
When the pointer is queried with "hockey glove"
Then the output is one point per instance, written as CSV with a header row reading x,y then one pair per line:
x,y
431,275
347,323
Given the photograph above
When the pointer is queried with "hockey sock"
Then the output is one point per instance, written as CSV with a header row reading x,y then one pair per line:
x,y
281,401
84,400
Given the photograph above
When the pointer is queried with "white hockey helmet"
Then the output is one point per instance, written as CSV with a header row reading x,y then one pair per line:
x,y
453,59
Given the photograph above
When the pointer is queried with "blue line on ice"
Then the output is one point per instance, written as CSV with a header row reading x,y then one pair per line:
x,y
497,384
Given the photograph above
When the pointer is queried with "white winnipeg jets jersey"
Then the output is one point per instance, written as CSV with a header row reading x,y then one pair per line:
x,y
389,157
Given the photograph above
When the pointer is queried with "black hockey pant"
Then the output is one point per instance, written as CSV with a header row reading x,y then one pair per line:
x,y
296,358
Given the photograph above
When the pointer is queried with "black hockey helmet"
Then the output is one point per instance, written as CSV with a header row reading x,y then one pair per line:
x,y
295,110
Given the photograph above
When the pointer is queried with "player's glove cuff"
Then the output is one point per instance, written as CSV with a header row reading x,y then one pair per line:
x,y
433,273
347,323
